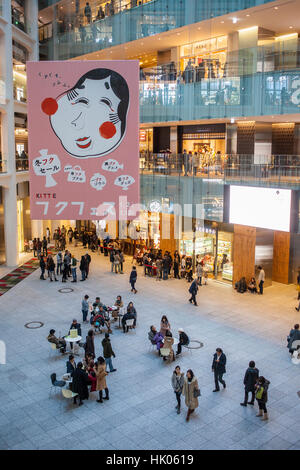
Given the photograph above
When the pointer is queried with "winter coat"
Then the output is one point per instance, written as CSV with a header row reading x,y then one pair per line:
x,y
188,391
293,336
101,374
184,339
133,276
264,397
90,346
107,349
80,384
250,379
193,288
158,340
151,336
177,382
219,366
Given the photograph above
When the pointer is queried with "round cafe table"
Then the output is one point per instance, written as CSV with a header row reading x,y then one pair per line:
x,y
176,341
70,340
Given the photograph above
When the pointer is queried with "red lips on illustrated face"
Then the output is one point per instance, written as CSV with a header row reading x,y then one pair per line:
x,y
83,146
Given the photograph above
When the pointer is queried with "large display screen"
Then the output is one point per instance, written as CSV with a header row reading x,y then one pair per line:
x,y
260,207
83,121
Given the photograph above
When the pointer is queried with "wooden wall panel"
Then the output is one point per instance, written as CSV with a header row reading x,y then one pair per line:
x,y
281,257
167,241
243,252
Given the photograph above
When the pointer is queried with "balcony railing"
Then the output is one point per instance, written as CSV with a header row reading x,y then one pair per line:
x,y
74,33
22,164
275,170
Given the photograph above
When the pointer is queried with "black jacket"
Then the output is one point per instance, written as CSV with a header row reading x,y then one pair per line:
x,y
71,368
183,338
250,379
133,276
219,366
77,327
89,345
80,383
107,349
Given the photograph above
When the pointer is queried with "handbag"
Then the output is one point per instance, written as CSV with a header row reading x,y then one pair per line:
x,y
197,392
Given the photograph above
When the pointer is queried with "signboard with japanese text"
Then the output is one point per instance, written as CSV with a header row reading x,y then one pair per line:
x,y
83,131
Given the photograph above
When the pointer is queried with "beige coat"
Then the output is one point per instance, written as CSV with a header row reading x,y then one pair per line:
x,y
188,391
101,380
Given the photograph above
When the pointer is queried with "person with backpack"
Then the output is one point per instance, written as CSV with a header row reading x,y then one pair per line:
x,y
193,291
74,262
132,279
250,379
261,395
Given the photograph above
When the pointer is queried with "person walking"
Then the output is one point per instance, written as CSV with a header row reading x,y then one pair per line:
x,y
90,344
261,395
261,280
85,308
177,384
191,393
193,291
250,379
218,368
200,273
108,353
101,373
133,279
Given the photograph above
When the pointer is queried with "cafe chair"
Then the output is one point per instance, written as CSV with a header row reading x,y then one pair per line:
x,y
129,324
68,394
55,384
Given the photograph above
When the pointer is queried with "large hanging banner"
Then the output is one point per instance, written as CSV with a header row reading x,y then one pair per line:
x,y
83,128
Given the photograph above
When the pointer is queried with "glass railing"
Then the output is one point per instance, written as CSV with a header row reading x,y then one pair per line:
x,y
22,164
278,170
261,93
76,33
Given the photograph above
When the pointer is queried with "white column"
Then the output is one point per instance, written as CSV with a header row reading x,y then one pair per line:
x,y
31,12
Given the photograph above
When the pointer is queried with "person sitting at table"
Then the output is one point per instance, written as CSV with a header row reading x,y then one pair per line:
x,y
127,316
159,341
76,326
71,365
97,304
89,344
164,325
252,285
59,342
168,345
183,340
132,310
152,334
80,384
118,304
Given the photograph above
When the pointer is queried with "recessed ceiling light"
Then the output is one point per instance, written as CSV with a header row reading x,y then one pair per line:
x,y
247,15
291,27
222,22
234,20
275,8
178,34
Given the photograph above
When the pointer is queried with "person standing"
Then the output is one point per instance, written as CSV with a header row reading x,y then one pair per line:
x,y
200,273
82,268
108,353
218,367
88,12
90,344
85,308
80,384
191,392
176,265
58,263
133,279
88,260
121,254
177,384
101,373
48,234
261,396
45,246
74,268
51,268
250,379
43,267
261,280
193,291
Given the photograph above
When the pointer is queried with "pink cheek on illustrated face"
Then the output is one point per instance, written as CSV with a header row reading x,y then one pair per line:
x,y
107,130
49,106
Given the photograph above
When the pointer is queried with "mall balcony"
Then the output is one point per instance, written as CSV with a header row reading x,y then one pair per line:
x,y
67,31
202,181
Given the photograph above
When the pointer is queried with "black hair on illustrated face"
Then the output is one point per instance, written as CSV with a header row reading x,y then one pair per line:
x,y
118,85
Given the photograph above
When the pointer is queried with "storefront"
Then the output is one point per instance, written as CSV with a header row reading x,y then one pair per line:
x,y
212,246
146,141
204,59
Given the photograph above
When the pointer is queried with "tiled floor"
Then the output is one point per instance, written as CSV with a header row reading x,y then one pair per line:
x,y
141,412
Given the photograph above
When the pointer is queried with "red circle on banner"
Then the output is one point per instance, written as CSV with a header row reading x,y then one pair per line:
x,y
107,130
49,106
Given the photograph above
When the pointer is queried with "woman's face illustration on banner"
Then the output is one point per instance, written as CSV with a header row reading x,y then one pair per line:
x,y
86,119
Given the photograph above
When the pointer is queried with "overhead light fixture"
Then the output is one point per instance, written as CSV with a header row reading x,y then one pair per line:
x,y
232,120
248,15
286,36
291,27
222,22
234,20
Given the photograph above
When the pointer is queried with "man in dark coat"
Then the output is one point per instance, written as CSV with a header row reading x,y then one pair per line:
x,y
218,367
108,353
132,279
193,291
183,340
80,384
250,379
